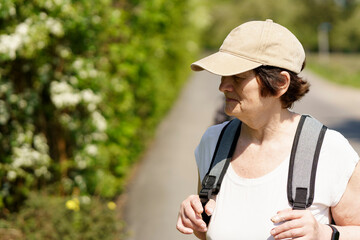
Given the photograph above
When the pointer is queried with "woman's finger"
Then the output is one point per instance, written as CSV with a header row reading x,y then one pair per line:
x,y
181,228
296,224
285,210
286,215
210,206
286,226
290,234
193,219
196,204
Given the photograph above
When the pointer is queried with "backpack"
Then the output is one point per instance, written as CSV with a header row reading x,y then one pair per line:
x,y
302,167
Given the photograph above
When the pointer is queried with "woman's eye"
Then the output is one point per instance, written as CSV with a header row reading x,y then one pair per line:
x,y
238,79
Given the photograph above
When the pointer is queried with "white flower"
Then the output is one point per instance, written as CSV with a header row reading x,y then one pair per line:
x,y
11,175
40,143
63,94
66,99
20,138
96,136
22,157
44,69
91,107
49,4
25,156
4,87
58,2
99,121
91,149
73,80
13,98
22,29
79,180
65,118
89,96
83,74
80,162
12,11
54,27
22,104
78,64
93,73
42,171
9,44
40,44
4,114
43,16
64,53
85,200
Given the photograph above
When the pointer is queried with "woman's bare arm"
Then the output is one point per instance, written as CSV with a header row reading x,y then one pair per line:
x,y
346,213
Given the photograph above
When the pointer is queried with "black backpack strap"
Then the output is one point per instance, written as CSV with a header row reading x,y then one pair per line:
x,y
303,162
221,159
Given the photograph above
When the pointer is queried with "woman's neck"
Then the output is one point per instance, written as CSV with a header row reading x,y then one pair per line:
x,y
259,129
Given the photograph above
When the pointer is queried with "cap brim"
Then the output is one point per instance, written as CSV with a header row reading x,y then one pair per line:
x,y
224,64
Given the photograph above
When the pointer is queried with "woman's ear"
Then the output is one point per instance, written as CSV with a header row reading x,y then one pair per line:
x,y
285,83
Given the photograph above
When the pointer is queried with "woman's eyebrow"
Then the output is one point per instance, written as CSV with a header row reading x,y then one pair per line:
x,y
242,75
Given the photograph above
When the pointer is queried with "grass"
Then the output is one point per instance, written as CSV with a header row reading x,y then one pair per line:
x,y
343,69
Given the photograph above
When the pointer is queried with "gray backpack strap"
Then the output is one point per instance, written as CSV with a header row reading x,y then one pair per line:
x,y
219,164
303,162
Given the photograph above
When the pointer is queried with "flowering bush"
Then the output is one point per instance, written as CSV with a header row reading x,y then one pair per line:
x,y
83,85
87,218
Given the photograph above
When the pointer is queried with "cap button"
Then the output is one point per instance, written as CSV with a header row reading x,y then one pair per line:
x,y
269,20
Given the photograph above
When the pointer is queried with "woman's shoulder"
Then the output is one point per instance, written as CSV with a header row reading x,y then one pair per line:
x,y
336,165
336,143
205,150
213,131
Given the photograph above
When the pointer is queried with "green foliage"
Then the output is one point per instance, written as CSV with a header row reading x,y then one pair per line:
x,y
83,85
231,13
302,17
82,218
343,69
345,35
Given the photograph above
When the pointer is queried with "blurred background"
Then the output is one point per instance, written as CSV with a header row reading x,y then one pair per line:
x,y
84,85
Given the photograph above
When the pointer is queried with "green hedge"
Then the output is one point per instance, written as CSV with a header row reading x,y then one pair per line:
x,y
303,17
77,218
83,86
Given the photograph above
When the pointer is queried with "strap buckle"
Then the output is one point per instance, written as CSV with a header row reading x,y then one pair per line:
x,y
205,194
300,199
207,188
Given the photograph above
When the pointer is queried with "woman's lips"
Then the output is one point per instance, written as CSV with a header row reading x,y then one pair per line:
x,y
231,99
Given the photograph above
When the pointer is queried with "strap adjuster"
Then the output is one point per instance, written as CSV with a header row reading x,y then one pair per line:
x,y
209,181
207,188
205,194
300,199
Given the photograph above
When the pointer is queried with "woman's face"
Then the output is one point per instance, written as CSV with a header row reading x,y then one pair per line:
x,y
242,95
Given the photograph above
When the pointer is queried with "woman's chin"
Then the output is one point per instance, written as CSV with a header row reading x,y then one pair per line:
x,y
230,112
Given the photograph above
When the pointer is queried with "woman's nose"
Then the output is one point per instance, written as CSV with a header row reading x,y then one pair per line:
x,y
226,84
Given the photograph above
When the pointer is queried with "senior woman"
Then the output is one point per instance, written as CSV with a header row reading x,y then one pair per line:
x,y
259,63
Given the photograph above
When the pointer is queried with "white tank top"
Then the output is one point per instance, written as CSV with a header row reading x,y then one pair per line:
x,y
244,206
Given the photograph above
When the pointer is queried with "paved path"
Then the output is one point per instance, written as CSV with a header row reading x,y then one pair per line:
x,y
337,107
168,174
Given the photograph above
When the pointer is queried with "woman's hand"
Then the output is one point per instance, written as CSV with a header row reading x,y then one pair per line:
x,y
299,224
189,219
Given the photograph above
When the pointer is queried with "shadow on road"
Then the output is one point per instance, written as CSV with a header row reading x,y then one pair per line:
x,y
350,128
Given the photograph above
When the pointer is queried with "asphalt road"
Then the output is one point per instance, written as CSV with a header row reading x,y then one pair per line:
x,y
167,173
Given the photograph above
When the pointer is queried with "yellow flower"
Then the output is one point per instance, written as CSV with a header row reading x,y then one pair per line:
x,y
111,205
73,204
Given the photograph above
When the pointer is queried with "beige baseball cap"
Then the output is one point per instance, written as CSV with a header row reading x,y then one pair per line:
x,y
254,44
